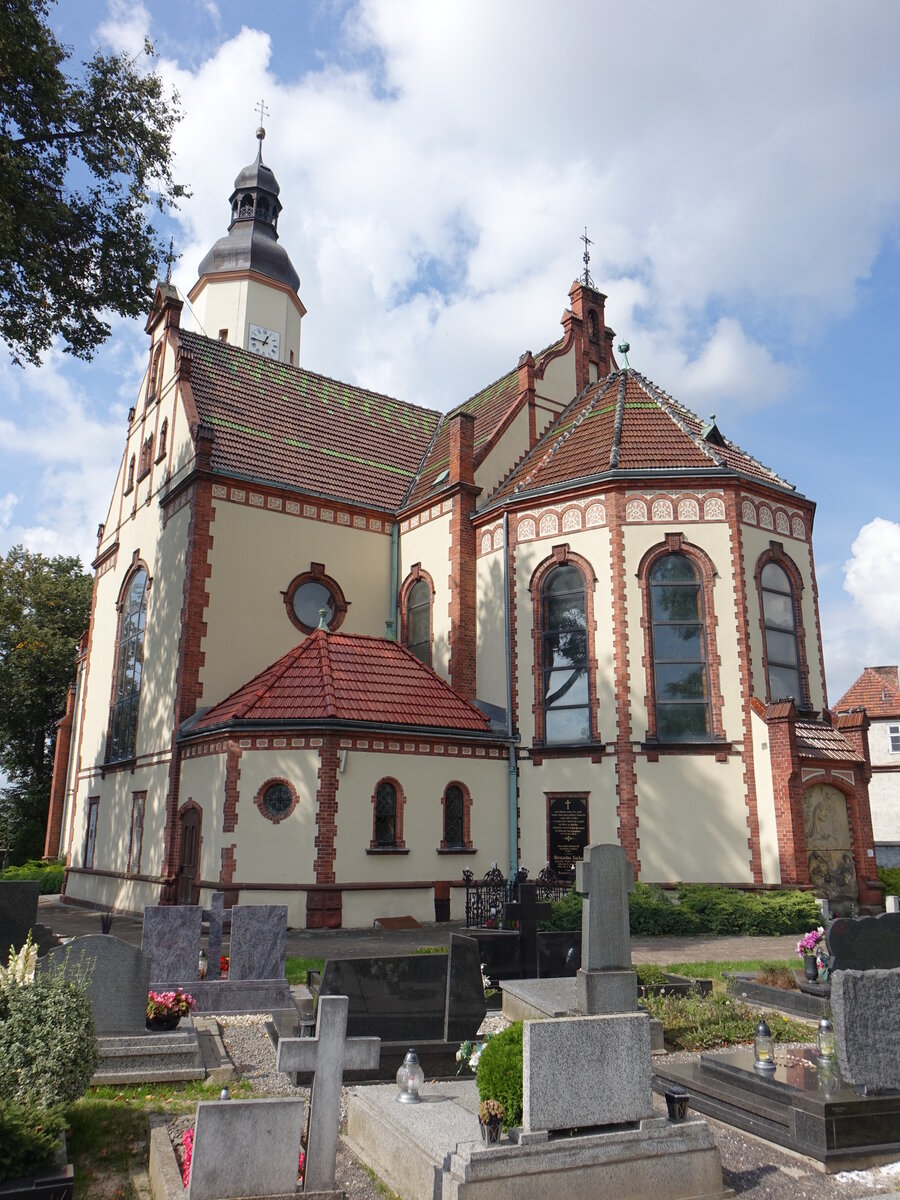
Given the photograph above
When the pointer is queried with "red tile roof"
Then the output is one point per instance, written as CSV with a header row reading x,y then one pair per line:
x,y
624,422
817,740
345,677
291,427
877,690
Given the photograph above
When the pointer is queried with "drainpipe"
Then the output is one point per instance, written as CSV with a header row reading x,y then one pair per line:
x,y
512,798
392,632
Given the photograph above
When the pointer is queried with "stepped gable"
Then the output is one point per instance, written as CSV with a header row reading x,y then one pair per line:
x,y
877,691
490,408
292,428
347,677
625,423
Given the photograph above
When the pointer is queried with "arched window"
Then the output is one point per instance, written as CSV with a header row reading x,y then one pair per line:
x,y
129,670
153,378
163,434
418,621
564,656
130,481
385,833
680,674
779,622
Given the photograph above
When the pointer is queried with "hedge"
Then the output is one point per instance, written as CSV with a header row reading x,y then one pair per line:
x,y
48,874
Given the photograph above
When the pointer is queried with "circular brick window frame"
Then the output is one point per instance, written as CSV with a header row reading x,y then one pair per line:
x,y
260,799
316,574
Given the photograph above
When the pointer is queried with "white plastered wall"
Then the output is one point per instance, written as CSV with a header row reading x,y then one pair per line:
x,y
510,448
765,801
884,786
232,303
554,390
490,627
429,544
282,853
575,774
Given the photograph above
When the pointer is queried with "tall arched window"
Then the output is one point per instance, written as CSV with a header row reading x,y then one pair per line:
x,y
455,837
385,814
564,656
418,621
782,662
680,674
129,670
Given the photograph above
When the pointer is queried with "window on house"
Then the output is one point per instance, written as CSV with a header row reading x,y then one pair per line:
x,y
894,738
564,656
310,592
90,833
418,621
129,670
146,458
454,818
129,485
680,676
385,814
163,434
136,844
782,663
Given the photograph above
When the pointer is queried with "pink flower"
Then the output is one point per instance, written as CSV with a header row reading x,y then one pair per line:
x,y
187,1145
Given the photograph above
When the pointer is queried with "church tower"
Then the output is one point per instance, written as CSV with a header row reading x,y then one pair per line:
x,y
247,293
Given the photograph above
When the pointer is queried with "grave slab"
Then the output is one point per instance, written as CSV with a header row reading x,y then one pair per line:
x,y
866,1008
258,941
864,943
245,1148
534,999
119,979
171,939
18,913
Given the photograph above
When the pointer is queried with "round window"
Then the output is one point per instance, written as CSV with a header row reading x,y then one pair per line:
x,y
310,592
309,598
277,799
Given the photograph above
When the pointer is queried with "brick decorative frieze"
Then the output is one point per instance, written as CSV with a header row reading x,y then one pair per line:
x,y
220,745
431,513
275,501
767,515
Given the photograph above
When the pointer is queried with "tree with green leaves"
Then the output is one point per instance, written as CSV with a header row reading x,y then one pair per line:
x,y
84,162
44,609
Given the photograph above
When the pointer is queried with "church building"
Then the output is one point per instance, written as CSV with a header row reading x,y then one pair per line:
x,y
344,648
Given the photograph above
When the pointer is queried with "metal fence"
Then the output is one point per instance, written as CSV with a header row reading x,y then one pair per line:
x,y
486,897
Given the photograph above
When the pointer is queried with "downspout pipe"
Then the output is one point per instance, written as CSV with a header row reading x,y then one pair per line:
x,y
513,778
393,633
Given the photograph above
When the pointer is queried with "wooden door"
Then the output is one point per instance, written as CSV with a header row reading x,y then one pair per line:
x,y
189,868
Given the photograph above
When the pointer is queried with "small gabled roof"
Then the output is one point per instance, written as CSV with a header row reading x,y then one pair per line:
x,y
817,740
877,691
290,427
625,423
348,677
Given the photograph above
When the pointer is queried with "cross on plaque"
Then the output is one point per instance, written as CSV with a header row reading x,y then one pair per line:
x,y
327,1055
528,910
605,878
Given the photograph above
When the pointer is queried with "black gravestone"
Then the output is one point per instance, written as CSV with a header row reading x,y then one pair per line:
x,y
528,910
567,827
864,943
18,913
500,953
465,989
558,953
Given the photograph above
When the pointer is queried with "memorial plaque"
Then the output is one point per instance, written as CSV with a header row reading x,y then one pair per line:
x,y
567,834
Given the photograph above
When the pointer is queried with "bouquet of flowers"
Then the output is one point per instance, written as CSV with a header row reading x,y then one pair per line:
x,y
469,1053
811,943
224,960
168,1004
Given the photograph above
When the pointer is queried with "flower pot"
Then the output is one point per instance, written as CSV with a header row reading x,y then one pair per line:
x,y
677,1104
168,1022
490,1131
810,967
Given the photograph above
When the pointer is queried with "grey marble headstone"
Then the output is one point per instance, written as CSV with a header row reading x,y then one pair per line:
x,y
258,941
171,940
865,1005
864,943
119,979
18,913
245,1148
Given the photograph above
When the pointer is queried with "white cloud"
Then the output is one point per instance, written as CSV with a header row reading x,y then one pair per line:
x,y
7,505
126,26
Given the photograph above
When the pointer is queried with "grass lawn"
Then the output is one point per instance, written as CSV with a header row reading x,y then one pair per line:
x,y
295,968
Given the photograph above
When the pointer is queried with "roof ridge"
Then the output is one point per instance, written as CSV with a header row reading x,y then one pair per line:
x,y
324,656
285,661
407,495
565,434
666,403
615,449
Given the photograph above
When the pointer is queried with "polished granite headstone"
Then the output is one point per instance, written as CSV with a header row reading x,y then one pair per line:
x,y
171,940
118,979
18,913
866,1007
258,941
864,943
499,952
559,953
806,1105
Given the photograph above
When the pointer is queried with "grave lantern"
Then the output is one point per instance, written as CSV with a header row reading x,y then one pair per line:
x,y
825,1040
410,1078
763,1049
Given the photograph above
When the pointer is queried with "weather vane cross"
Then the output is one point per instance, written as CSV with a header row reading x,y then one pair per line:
x,y
586,278
170,258
262,110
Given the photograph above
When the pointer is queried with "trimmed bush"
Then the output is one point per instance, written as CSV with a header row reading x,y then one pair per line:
x,y
500,1073
650,975
890,877
29,1136
565,914
653,914
48,874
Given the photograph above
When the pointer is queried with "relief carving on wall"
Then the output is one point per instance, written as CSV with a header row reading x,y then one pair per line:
x,y
829,850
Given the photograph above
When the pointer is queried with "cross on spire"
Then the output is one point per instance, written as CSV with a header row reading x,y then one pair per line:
x,y
263,111
586,258
169,259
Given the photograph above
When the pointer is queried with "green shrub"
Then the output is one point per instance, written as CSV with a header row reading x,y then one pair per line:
x,y
48,1051
890,877
29,1135
653,913
565,914
48,874
500,1073
650,975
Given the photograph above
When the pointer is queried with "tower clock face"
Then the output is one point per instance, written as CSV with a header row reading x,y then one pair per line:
x,y
264,341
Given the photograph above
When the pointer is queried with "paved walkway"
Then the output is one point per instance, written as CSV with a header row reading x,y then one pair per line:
x,y
69,921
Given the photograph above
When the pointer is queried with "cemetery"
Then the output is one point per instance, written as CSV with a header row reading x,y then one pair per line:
x,y
580,1092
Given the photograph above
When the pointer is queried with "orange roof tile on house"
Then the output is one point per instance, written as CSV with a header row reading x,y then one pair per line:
x,y
877,691
818,740
347,678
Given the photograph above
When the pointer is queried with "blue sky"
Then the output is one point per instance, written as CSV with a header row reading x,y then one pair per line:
x,y
735,167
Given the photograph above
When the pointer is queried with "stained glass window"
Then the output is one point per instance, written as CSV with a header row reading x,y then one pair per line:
x,y
681,680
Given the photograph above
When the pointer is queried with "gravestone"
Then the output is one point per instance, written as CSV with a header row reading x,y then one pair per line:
x,y
245,1148
567,834
864,943
892,904
216,918
258,941
119,979
559,953
866,1009
171,940
606,982
18,913
528,910
327,1056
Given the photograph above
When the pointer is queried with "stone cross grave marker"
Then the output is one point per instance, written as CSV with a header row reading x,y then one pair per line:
x,y
327,1055
528,910
605,982
216,918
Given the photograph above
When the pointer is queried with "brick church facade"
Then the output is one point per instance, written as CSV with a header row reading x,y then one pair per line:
x,y
343,646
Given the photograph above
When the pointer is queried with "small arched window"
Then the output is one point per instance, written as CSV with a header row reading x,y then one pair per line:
x,y
782,663
163,434
418,621
454,818
246,205
129,670
385,833
680,675
564,656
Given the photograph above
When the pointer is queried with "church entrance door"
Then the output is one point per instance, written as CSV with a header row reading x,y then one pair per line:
x,y
189,869
828,846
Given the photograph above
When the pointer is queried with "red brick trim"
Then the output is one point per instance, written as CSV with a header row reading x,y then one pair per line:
x,y
60,776
787,791
233,755
399,843
815,597
315,574
626,779
563,556
467,817
228,864
326,812
676,543
259,799
462,583
776,554
416,573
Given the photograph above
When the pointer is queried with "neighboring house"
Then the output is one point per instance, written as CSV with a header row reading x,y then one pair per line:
x,y
600,616
878,691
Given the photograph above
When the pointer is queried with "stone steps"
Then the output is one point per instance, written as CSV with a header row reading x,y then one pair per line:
x,y
149,1057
